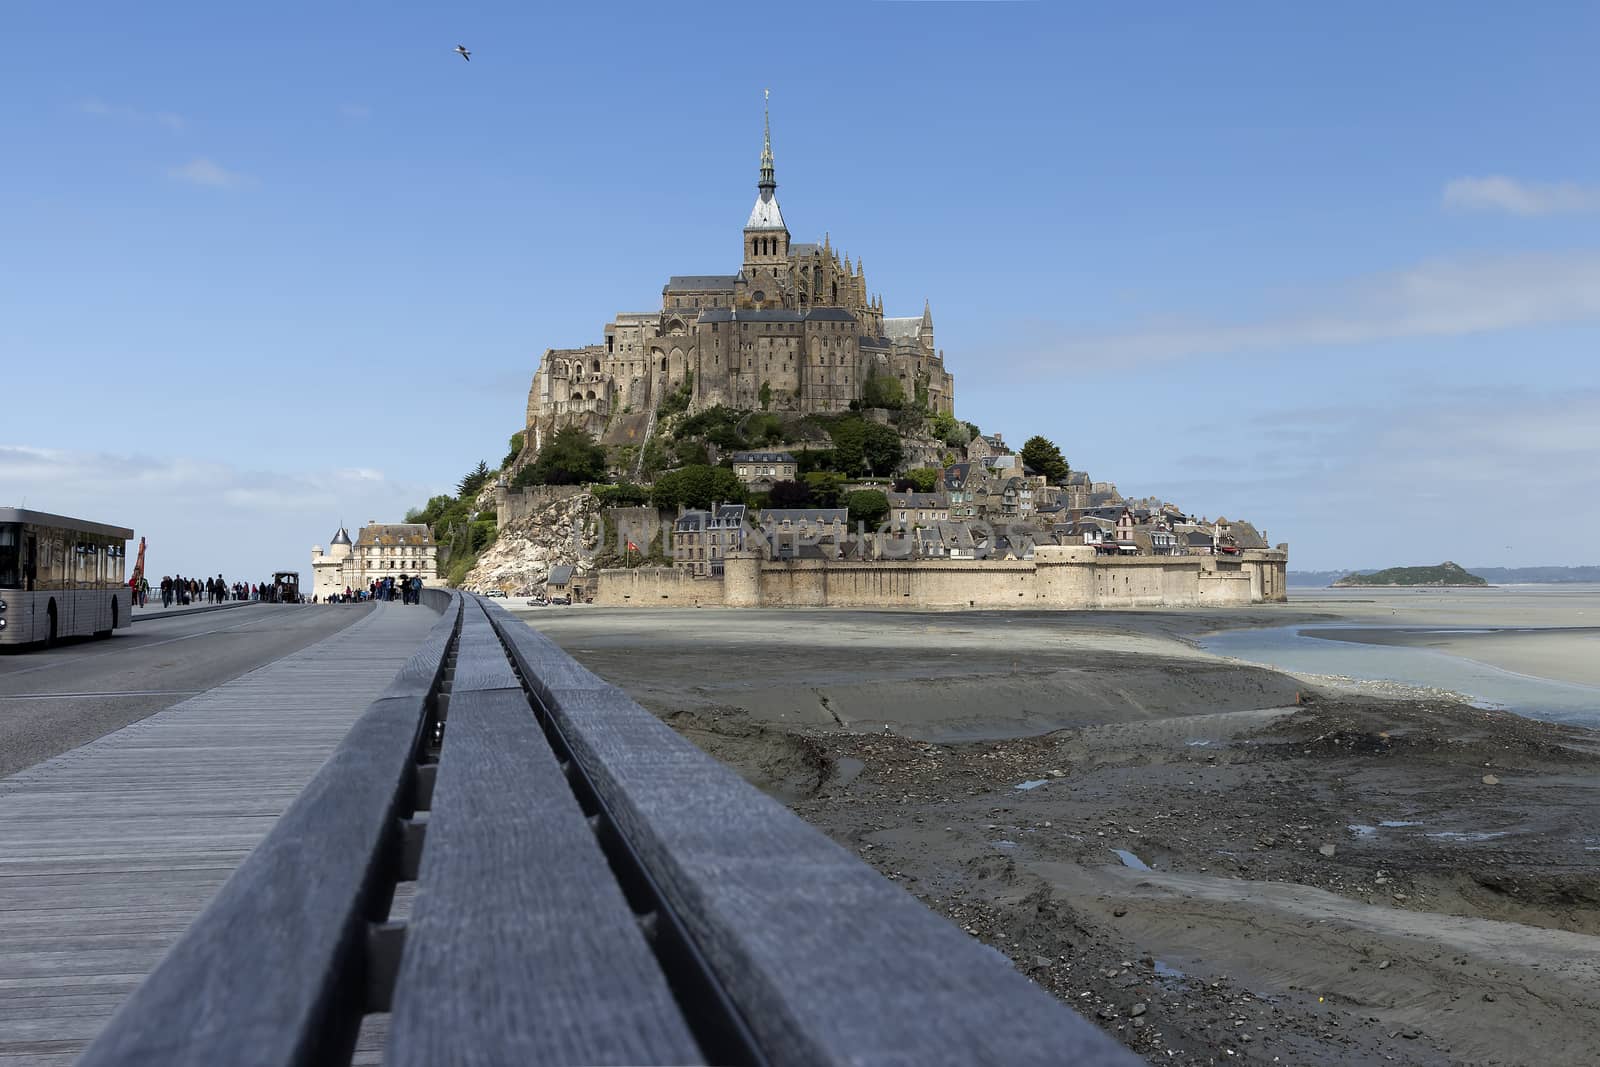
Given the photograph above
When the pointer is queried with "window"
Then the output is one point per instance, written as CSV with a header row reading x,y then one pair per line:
x,y
10,555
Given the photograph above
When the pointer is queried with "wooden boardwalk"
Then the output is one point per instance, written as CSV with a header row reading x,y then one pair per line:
x,y
108,851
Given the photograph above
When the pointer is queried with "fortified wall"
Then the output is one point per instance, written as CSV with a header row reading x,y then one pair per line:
x,y
511,504
1058,577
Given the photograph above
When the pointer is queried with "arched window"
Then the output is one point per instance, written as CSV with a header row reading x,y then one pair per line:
x,y
597,366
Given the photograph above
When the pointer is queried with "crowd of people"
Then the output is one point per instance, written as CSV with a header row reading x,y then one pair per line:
x,y
178,591
409,589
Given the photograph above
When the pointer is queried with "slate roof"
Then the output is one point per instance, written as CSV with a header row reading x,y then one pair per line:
x,y
766,315
762,457
341,538
1246,535
903,329
728,516
813,516
395,533
918,500
700,283
766,215
559,575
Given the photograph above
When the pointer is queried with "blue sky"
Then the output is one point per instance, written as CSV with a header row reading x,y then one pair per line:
x,y
267,267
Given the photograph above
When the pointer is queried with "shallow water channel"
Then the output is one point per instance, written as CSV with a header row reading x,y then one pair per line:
x,y
1315,650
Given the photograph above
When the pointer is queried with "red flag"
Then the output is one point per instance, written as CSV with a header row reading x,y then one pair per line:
x,y
632,547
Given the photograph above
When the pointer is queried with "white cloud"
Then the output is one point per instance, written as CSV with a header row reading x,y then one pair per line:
x,y
203,516
1439,299
1454,477
201,171
1499,193
95,106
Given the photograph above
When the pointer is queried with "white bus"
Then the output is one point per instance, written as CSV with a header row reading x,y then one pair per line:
x,y
61,577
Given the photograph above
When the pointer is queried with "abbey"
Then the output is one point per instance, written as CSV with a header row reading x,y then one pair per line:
x,y
795,330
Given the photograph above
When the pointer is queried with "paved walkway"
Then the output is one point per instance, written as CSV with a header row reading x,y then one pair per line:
x,y
154,610
108,851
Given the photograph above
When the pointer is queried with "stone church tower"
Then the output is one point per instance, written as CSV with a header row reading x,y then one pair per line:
x,y
766,238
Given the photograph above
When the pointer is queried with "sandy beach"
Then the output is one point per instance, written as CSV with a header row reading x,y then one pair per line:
x,y
1218,862
1543,631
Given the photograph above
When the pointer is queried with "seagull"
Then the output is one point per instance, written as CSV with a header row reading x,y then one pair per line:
x,y
461,50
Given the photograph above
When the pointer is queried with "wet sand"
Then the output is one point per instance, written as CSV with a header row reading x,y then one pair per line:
x,y
1347,879
1544,631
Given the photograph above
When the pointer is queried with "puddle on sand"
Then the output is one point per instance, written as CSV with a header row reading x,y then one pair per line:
x,y
1032,783
1003,844
1467,835
846,770
1361,829
1130,860
1167,970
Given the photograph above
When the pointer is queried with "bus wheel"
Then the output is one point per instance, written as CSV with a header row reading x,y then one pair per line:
x,y
52,612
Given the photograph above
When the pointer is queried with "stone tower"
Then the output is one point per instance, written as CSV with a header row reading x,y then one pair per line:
x,y
766,238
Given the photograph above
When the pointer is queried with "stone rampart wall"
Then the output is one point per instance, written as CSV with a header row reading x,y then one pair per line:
x,y
657,587
1059,578
511,504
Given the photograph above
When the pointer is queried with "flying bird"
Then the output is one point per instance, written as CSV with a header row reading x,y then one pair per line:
x,y
461,50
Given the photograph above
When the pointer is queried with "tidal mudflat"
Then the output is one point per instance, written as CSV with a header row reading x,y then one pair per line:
x,y
1218,861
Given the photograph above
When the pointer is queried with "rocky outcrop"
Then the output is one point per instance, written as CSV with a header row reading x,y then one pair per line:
x,y
560,532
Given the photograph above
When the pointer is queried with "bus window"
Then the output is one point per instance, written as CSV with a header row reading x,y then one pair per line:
x,y
10,556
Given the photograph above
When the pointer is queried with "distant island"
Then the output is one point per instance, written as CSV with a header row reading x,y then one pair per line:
x,y
1445,574
1495,575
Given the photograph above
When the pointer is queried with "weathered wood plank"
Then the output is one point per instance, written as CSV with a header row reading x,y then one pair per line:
x,y
521,947
828,962
108,851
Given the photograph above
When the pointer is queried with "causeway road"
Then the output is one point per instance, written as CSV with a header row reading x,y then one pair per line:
x,y
53,700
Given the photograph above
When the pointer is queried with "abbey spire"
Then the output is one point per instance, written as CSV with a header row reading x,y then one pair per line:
x,y
765,215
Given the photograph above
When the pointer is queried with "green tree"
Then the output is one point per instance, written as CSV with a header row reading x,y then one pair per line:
x,y
621,495
883,391
788,494
766,395
656,458
515,450
945,427
691,453
473,480
726,488
867,506
1042,455
880,449
667,492
570,457
697,486
921,479
824,487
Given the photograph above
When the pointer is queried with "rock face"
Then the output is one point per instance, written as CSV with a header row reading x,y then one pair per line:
x,y
562,532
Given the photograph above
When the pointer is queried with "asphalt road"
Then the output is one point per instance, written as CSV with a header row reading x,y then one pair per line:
x,y
54,700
